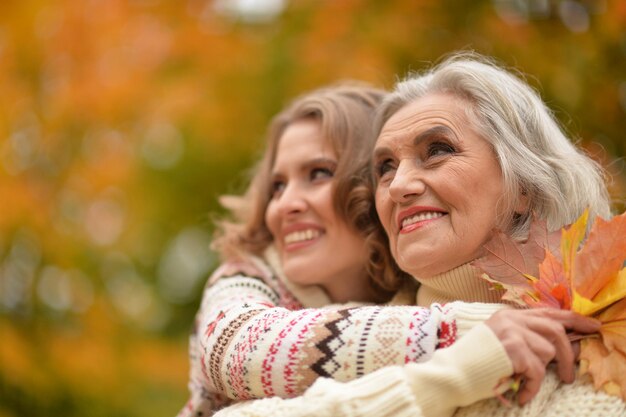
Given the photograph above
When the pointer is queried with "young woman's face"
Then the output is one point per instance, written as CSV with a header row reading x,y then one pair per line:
x,y
316,246
439,185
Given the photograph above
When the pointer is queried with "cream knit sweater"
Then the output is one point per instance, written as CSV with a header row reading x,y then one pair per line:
x,y
457,380
254,339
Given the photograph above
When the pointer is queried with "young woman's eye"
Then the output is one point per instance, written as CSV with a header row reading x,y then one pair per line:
x,y
277,188
440,149
321,173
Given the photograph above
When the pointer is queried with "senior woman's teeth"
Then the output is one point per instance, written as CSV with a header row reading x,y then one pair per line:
x,y
420,217
301,236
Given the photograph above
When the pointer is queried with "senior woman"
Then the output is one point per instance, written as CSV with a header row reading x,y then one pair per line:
x,y
461,150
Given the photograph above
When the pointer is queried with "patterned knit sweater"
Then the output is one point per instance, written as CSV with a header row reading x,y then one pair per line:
x,y
258,335
456,380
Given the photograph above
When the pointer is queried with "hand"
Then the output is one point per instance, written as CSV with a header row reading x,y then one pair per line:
x,y
533,338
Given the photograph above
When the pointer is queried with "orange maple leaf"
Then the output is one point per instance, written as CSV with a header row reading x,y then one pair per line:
x,y
613,328
606,367
553,286
585,274
515,265
602,256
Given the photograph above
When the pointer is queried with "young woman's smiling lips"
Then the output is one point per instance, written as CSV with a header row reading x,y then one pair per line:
x,y
300,235
418,216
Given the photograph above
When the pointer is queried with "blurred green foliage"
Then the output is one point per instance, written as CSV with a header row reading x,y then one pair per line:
x,y
121,121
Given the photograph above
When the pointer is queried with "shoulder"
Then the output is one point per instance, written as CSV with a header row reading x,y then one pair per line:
x,y
249,267
255,271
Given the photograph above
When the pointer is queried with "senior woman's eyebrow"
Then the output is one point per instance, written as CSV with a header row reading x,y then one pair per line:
x,y
436,132
381,152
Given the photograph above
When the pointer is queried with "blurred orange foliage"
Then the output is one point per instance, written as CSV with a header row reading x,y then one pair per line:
x,y
121,121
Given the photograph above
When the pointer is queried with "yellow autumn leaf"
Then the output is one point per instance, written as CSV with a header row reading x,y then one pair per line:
x,y
571,238
589,278
612,292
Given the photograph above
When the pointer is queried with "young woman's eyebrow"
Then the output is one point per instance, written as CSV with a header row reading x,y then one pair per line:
x,y
311,163
323,161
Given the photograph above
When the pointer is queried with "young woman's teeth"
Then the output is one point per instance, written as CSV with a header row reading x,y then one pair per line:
x,y
420,217
301,236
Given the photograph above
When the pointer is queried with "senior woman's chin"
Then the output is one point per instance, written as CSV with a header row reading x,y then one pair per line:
x,y
422,265
425,258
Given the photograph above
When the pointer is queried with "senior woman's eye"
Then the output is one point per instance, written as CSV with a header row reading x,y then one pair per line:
x,y
382,167
440,149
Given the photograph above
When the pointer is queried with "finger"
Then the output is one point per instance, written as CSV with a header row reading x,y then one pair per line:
x,y
582,324
565,358
551,330
576,349
533,377
571,320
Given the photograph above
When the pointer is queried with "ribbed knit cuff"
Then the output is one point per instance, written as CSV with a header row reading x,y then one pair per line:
x,y
466,372
469,315
384,393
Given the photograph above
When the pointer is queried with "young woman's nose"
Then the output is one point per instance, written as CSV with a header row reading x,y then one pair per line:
x,y
407,182
292,200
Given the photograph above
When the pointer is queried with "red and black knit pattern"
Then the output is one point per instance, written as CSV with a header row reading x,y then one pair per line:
x,y
216,356
328,364
254,340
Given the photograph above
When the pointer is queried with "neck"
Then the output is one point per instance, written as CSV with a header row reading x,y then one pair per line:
x,y
459,284
311,296
351,285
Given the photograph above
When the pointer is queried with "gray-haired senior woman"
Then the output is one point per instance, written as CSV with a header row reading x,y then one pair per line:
x,y
539,164
462,149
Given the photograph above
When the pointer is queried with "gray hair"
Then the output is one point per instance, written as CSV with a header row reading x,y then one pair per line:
x,y
538,161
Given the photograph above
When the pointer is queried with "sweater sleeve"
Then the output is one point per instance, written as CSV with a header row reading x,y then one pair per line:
x,y
248,345
202,401
456,376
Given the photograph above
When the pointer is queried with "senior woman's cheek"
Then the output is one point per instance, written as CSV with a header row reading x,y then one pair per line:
x,y
384,209
383,206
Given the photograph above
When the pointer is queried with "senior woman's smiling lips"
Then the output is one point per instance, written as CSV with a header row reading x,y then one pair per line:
x,y
439,185
417,216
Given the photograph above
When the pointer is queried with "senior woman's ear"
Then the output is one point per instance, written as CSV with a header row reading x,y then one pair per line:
x,y
522,204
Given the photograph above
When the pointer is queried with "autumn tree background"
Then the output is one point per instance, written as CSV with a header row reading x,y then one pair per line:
x,y
121,121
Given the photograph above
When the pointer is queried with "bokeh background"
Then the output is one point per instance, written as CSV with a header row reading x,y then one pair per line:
x,y
121,121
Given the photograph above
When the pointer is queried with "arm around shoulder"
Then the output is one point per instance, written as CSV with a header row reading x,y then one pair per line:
x,y
456,376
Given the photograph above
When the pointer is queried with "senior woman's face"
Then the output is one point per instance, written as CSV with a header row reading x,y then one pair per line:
x,y
439,184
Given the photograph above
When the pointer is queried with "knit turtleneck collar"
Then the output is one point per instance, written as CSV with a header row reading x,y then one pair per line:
x,y
459,284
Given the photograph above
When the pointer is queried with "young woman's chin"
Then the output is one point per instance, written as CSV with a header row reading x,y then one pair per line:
x,y
303,270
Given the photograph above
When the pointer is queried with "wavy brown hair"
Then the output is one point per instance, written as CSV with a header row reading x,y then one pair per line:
x,y
345,113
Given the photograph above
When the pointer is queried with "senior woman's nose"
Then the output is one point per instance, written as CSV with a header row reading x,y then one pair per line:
x,y
407,182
